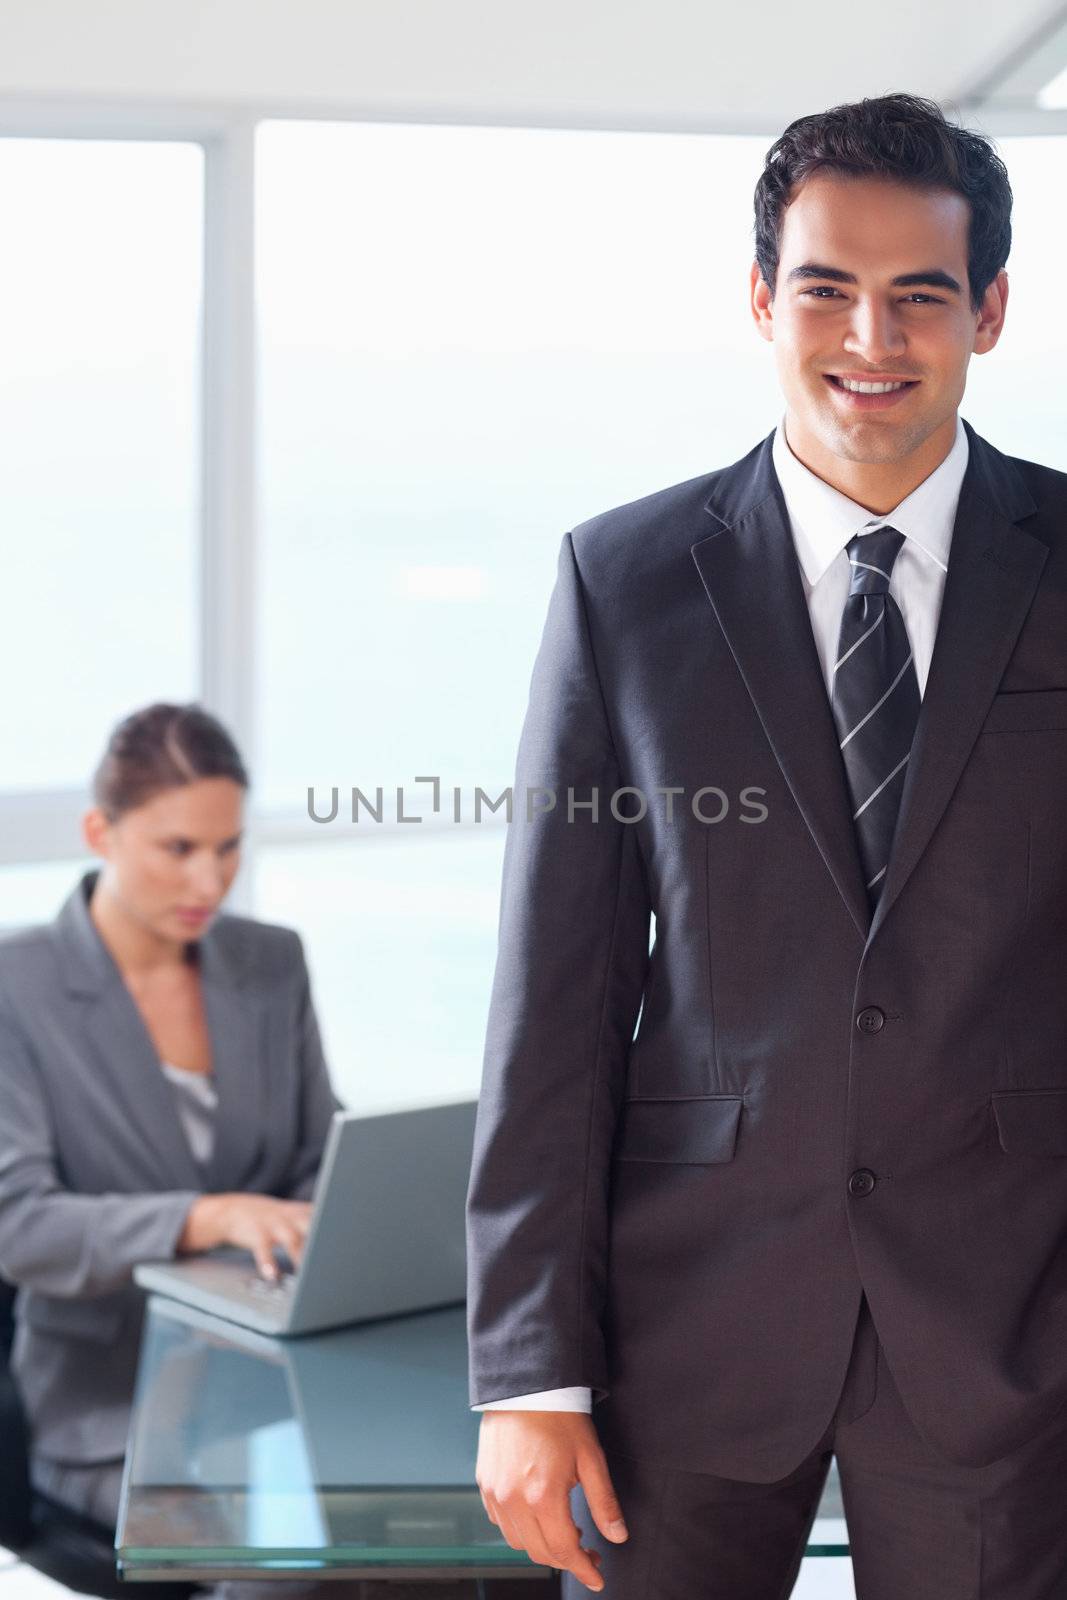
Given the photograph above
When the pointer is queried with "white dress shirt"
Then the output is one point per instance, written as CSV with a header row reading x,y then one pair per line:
x,y
822,521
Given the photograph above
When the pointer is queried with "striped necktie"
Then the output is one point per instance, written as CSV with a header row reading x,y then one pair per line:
x,y
875,699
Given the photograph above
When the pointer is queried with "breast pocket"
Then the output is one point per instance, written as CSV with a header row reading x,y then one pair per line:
x,y
1027,711
1031,1122
694,1128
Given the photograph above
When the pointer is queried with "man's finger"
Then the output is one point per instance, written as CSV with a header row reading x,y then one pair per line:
x,y
489,1511
556,1542
604,1507
509,1530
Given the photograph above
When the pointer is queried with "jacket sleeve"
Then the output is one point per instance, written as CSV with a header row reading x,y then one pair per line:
x,y
51,1239
317,1099
572,956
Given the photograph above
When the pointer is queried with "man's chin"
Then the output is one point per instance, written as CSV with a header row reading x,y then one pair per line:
x,y
860,441
869,452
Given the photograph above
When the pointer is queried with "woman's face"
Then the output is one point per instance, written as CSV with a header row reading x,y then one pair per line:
x,y
170,862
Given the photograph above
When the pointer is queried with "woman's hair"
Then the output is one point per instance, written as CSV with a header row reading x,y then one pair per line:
x,y
161,747
901,137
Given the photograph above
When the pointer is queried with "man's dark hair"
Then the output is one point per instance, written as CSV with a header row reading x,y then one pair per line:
x,y
901,137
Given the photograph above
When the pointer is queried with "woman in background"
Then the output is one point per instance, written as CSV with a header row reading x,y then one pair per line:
x,y
162,1087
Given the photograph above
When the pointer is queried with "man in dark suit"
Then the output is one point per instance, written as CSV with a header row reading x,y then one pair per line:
x,y
810,711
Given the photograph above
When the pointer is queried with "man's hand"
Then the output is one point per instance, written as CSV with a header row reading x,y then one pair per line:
x,y
528,1462
255,1222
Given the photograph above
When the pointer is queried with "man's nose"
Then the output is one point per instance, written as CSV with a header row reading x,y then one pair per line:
x,y
875,333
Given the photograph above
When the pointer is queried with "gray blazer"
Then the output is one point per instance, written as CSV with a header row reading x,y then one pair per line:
x,y
818,1101
95,1170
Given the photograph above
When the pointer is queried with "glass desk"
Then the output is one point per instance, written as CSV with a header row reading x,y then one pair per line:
x,y
349,1453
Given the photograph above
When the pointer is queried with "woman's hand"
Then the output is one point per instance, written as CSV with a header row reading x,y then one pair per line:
x,y
255,1222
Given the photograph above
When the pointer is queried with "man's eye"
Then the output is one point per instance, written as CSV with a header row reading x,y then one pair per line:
x,y
824,288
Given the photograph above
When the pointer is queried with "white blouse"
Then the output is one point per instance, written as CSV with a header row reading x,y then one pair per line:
x,y
198,1101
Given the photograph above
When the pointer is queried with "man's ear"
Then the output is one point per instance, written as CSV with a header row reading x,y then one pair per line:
x,y
761,303
990,323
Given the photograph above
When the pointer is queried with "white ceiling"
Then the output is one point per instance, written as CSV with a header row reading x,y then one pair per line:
x,y
672,64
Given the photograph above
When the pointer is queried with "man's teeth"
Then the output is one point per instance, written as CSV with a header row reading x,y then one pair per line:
x,y
869,388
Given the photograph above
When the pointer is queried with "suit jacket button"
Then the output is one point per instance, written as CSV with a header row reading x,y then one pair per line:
x,y
861,1181
871,1019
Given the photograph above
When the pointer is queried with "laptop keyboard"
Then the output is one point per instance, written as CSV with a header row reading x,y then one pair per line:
x,y
264,1289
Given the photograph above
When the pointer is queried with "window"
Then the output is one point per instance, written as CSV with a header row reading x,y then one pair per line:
x,y
470,340
99,411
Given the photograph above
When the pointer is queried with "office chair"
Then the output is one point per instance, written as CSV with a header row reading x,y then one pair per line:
x,y
15,1498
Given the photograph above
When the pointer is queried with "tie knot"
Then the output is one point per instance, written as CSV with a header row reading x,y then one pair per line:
x,y
871,556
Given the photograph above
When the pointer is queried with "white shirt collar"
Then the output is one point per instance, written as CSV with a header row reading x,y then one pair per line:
x,y
824,520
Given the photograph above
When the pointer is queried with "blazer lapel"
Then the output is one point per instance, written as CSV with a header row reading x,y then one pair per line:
x,y
750,572
115,1033
993,571
123,1048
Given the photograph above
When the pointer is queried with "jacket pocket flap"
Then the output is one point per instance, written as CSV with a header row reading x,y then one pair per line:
x,y
696,1128
1032,1122
1026,711
71,1318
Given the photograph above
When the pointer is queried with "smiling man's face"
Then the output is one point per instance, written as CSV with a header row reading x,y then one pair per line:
x,y
837,310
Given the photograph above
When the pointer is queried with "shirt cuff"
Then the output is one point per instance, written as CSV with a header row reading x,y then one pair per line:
x,y
576,1399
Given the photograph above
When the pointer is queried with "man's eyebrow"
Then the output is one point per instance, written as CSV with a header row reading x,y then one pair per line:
x,y
930,277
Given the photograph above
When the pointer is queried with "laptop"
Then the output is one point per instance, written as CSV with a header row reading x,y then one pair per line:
x,y
387,1231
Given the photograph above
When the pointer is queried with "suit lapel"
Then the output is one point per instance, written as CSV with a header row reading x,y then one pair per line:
x,y
749,569
116,1034
993,571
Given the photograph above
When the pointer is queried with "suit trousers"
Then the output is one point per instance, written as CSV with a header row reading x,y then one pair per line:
x,y
919,1527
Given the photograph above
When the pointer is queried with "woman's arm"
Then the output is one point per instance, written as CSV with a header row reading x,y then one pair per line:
x,y
317,1099
52,1239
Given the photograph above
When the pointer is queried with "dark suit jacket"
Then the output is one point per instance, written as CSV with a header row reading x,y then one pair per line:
x,y
673,1219
95,1170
